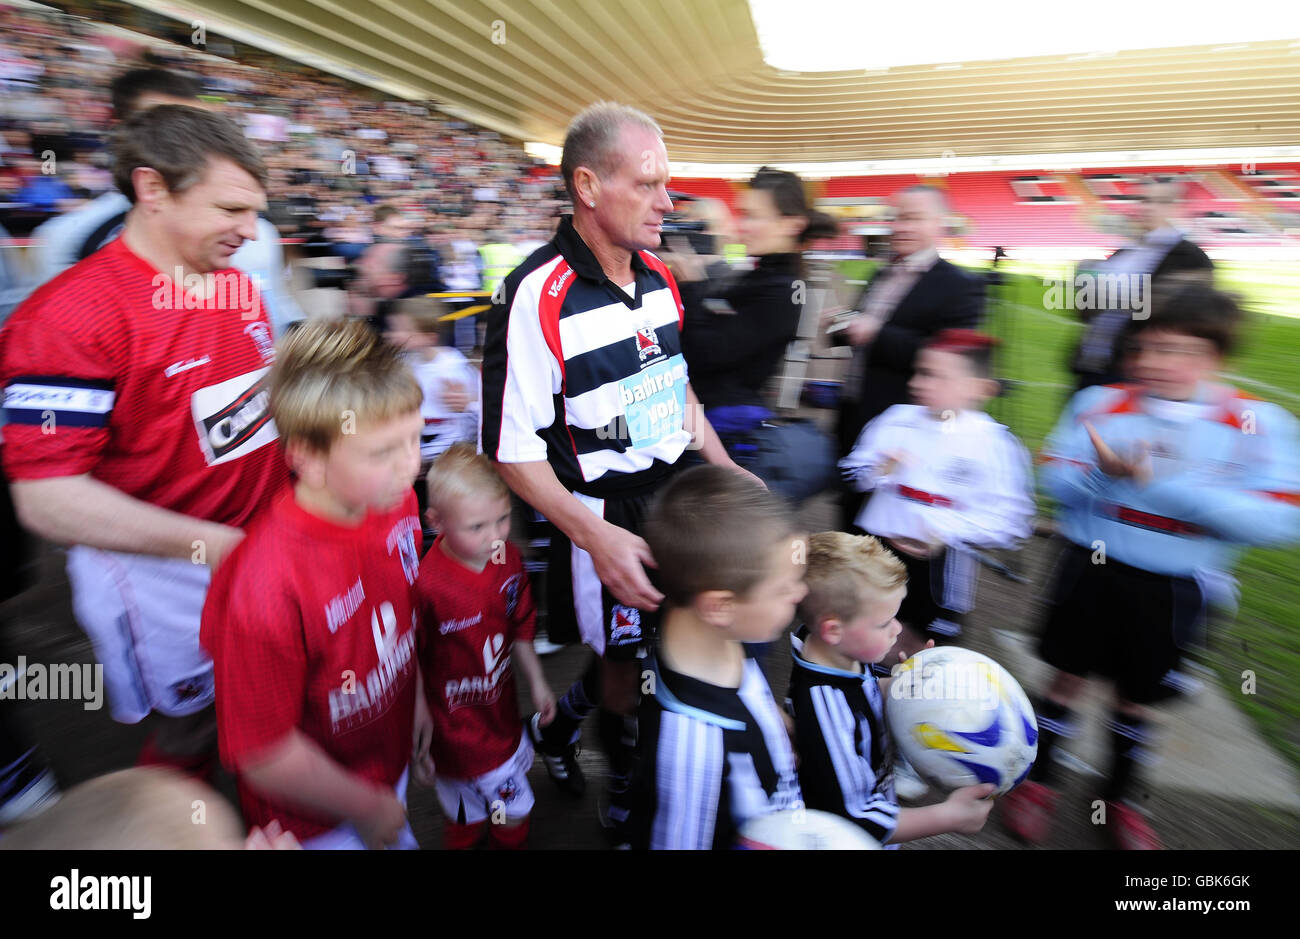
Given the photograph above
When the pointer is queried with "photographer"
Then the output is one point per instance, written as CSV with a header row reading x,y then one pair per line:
x,y
738,325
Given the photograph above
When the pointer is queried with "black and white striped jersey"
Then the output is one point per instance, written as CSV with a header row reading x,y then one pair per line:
x,y
710,758
580,373
844,759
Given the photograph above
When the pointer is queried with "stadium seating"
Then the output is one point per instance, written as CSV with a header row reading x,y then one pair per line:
x,y
1224,205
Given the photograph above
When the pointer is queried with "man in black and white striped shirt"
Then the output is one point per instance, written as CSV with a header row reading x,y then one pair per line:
x,y
587,409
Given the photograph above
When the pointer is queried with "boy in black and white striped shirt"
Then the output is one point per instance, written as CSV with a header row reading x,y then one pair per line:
x,y
714,751
855,587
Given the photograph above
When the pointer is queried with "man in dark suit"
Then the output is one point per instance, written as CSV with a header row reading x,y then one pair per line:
x,y
1158,249
910,299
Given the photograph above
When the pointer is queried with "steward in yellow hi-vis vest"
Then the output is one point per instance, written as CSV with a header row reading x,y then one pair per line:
x,y
499,259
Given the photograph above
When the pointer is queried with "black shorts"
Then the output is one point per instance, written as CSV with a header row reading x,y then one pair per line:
x,y
1120,622
940,592
580,608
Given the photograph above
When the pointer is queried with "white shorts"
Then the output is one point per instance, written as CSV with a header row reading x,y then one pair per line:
x,y
588,601
470,801
142,615
346,838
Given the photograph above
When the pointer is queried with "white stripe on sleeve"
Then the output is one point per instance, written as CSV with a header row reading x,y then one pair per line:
x,y
688,783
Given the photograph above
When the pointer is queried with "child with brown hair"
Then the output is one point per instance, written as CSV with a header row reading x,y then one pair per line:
x,y
311,622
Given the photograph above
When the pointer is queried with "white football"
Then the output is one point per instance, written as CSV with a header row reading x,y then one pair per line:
x,y
803,830
960,719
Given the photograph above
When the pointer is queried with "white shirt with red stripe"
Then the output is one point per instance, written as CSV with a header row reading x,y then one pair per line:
x,y
964,479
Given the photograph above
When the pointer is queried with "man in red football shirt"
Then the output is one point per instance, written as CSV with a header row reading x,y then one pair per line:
x,y
476,612
311,621
138,427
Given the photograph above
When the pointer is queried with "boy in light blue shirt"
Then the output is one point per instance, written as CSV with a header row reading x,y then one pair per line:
x,y
1159,482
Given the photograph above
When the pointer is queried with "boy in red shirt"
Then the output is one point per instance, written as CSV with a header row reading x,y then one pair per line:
x,y
311,621
476,615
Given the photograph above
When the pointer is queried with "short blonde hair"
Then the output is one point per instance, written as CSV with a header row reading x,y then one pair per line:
x,y
327,371
845,572
462,472
425,312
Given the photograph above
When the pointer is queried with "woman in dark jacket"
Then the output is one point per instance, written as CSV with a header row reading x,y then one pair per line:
x,y
738,326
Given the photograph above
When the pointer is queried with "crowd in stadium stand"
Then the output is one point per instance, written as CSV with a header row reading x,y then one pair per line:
x,y
335,151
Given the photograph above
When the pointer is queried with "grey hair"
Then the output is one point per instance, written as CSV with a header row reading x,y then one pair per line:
x,y
592,138
940,197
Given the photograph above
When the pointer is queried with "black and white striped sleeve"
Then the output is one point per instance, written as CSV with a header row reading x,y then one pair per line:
x,y
833,774
689,763
520,376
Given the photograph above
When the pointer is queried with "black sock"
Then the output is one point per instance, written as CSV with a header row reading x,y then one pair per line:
x,y
20,762
1054,722
1128,744
618,736
572,708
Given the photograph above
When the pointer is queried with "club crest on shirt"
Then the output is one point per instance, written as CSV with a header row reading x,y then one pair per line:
x,y
192,689
647,343
511,590
507,791
261,334
402,537
624,625
959,470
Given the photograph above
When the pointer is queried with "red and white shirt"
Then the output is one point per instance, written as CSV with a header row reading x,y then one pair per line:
x,y
469,621
311,625
110,369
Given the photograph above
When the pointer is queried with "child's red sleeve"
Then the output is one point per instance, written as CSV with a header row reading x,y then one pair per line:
x,y
260,666
524,618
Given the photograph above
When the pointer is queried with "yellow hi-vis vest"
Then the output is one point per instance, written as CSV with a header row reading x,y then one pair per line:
x,y
498,260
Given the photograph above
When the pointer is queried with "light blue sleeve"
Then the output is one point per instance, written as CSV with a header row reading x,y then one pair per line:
x,y
1069,460
1265,510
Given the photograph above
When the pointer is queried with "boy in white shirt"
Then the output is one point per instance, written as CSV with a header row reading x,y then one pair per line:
x,y
945,477
449,381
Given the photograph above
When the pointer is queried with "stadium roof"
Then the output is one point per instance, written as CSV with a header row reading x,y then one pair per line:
x,y
524,67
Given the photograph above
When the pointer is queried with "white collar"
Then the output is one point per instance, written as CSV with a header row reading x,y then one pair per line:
x,y
919,261
1209,398
962,420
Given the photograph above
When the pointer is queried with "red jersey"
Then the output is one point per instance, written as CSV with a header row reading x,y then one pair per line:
x,y
468,622
311,625
106,372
